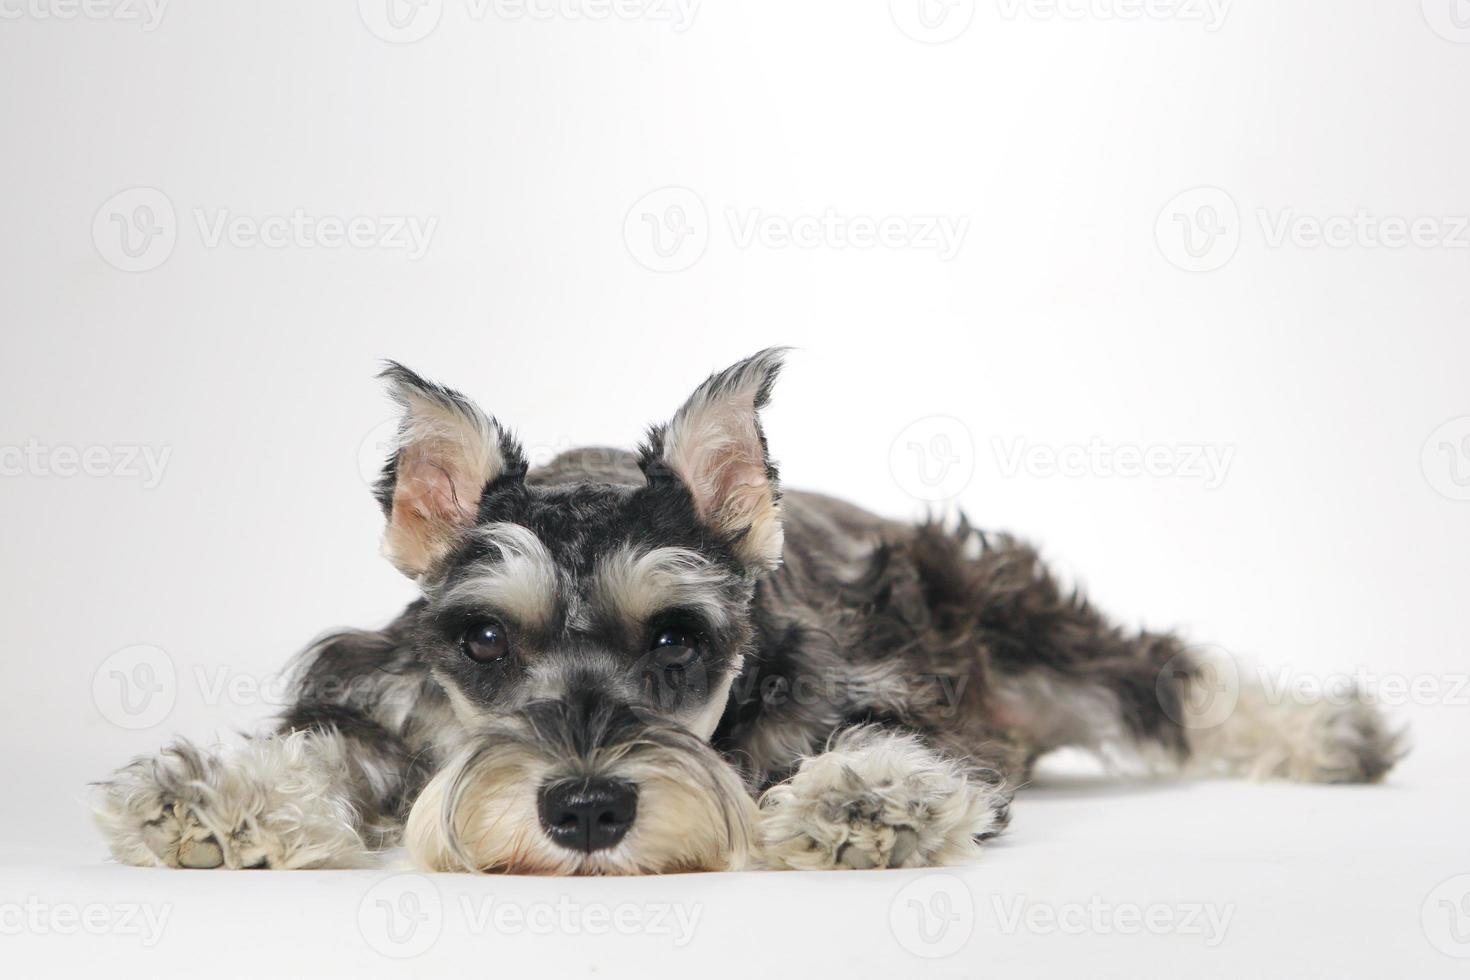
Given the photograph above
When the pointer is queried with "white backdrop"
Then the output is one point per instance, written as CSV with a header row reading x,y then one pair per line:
x,y
1178,290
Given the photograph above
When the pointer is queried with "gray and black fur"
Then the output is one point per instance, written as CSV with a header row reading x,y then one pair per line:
x,y
656,661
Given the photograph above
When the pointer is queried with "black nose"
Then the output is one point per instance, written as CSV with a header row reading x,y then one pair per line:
x,y
588,814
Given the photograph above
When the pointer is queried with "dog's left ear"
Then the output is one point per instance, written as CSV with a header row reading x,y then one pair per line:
x,y
715,447
448,453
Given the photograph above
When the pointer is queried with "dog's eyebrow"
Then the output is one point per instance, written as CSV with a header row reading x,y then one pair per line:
x,y
519,581
639,584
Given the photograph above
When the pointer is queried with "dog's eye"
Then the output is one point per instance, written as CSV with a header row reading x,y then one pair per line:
x,y
674,649
485,642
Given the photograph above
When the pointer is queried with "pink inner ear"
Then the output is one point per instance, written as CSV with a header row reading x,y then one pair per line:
x,y
718,454
737,475
427,490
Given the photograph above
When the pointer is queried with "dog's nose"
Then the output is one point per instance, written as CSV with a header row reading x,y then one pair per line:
x,y
588,814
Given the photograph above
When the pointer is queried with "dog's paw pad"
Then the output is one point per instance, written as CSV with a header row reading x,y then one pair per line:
x,y
205,853
885,847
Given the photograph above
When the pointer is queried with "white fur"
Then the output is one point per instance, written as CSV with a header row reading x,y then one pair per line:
x,y
1291,737
521,583
480,814
877,799
638,585
272,802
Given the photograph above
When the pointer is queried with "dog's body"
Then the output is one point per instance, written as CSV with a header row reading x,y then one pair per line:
x,y
616,652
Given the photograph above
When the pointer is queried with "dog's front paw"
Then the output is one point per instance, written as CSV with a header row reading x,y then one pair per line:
x,y
879,800
269,805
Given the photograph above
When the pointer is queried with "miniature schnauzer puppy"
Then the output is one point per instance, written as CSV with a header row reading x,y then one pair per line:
x,y
631,663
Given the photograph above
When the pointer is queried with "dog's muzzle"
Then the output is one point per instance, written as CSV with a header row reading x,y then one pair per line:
x,y
585,783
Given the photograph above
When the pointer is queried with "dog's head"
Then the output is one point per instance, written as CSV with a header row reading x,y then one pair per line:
x,y
586,622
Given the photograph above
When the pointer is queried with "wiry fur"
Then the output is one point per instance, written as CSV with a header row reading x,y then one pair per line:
x,y
278,802
479,812
880,688
880,799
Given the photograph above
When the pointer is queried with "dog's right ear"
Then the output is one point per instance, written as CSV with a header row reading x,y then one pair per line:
x,y
447,453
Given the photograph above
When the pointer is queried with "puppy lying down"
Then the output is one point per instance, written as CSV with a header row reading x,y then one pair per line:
x,y
658,661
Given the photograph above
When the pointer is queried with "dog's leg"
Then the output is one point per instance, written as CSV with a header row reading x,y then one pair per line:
x,y
332,785
1064,676
282,801
879,798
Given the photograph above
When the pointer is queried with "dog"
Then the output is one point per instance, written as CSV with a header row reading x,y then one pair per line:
x,y
661,661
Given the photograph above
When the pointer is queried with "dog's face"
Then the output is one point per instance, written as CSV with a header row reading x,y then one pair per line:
x,y
586,624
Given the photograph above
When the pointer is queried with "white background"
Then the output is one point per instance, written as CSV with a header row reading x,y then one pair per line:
x,y
1334,379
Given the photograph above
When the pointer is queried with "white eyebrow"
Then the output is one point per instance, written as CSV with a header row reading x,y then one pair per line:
x,y
521,581
638,585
